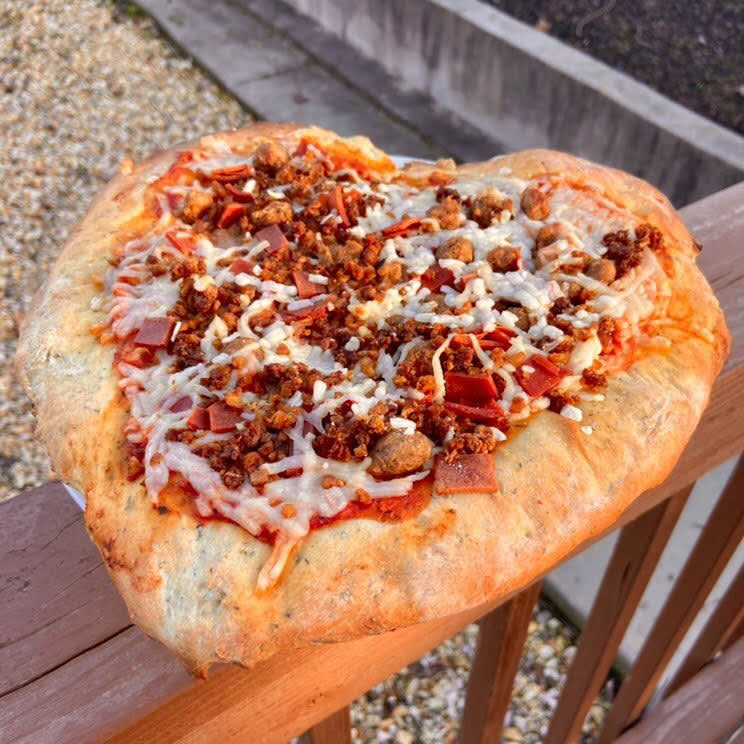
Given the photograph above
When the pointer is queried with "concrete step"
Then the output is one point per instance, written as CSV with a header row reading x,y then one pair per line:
x,y
526,89
251,48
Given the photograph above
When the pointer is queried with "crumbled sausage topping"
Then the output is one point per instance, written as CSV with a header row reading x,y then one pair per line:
x,y
341,324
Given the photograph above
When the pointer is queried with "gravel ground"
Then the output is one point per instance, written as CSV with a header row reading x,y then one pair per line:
x,y
692,52
424,702
79,92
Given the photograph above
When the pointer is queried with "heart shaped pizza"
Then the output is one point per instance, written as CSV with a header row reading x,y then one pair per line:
x,y
309,395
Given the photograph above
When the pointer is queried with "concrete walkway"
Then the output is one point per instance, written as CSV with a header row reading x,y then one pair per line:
x,y
251,49
282,67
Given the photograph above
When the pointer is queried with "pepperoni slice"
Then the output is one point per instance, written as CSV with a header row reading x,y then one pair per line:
x,y
155,332
244,197
176,176
232,173
182,404
487,414
311,312
471,390
466,474
183,241
274,236
230,215
399,228
338,196
222,418
242,266
545,376
498,338
305,287
436,277
199,419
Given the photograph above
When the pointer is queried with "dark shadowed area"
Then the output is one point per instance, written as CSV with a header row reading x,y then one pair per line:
x,y
692,52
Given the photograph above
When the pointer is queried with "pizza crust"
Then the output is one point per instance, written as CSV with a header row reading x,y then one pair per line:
x,y
192,586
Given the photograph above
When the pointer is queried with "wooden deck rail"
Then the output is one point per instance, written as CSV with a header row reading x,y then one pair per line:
x,y
73,668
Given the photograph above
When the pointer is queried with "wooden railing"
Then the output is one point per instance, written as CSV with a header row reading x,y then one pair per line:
x,y
73,668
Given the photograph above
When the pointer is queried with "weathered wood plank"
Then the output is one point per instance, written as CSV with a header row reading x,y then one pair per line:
x,y
500,646
718,540
633,561
275,701
55,598
336,729
94,694
705,710
718,222
720,629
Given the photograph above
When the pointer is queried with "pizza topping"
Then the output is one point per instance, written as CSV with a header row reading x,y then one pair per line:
x,y
273,236
154,332
305,287
505,258
399,453
535,203
197,203
467,474
436,277
471,390
232,174
199,419
182,404
231,214
182,240
603,270
222,417
295,335
241,266
538,375
490,207
457,248
270,156
490,412
399,228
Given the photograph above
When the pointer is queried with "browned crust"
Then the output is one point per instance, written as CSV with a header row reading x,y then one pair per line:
x,y
192,587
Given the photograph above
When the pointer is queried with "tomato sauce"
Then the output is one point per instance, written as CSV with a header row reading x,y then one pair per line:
x,y
388,509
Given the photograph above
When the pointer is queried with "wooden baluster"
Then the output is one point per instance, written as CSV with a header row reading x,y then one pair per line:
x,y
637,551
707,709
737,633
720,630
709,557
500,645
336,729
